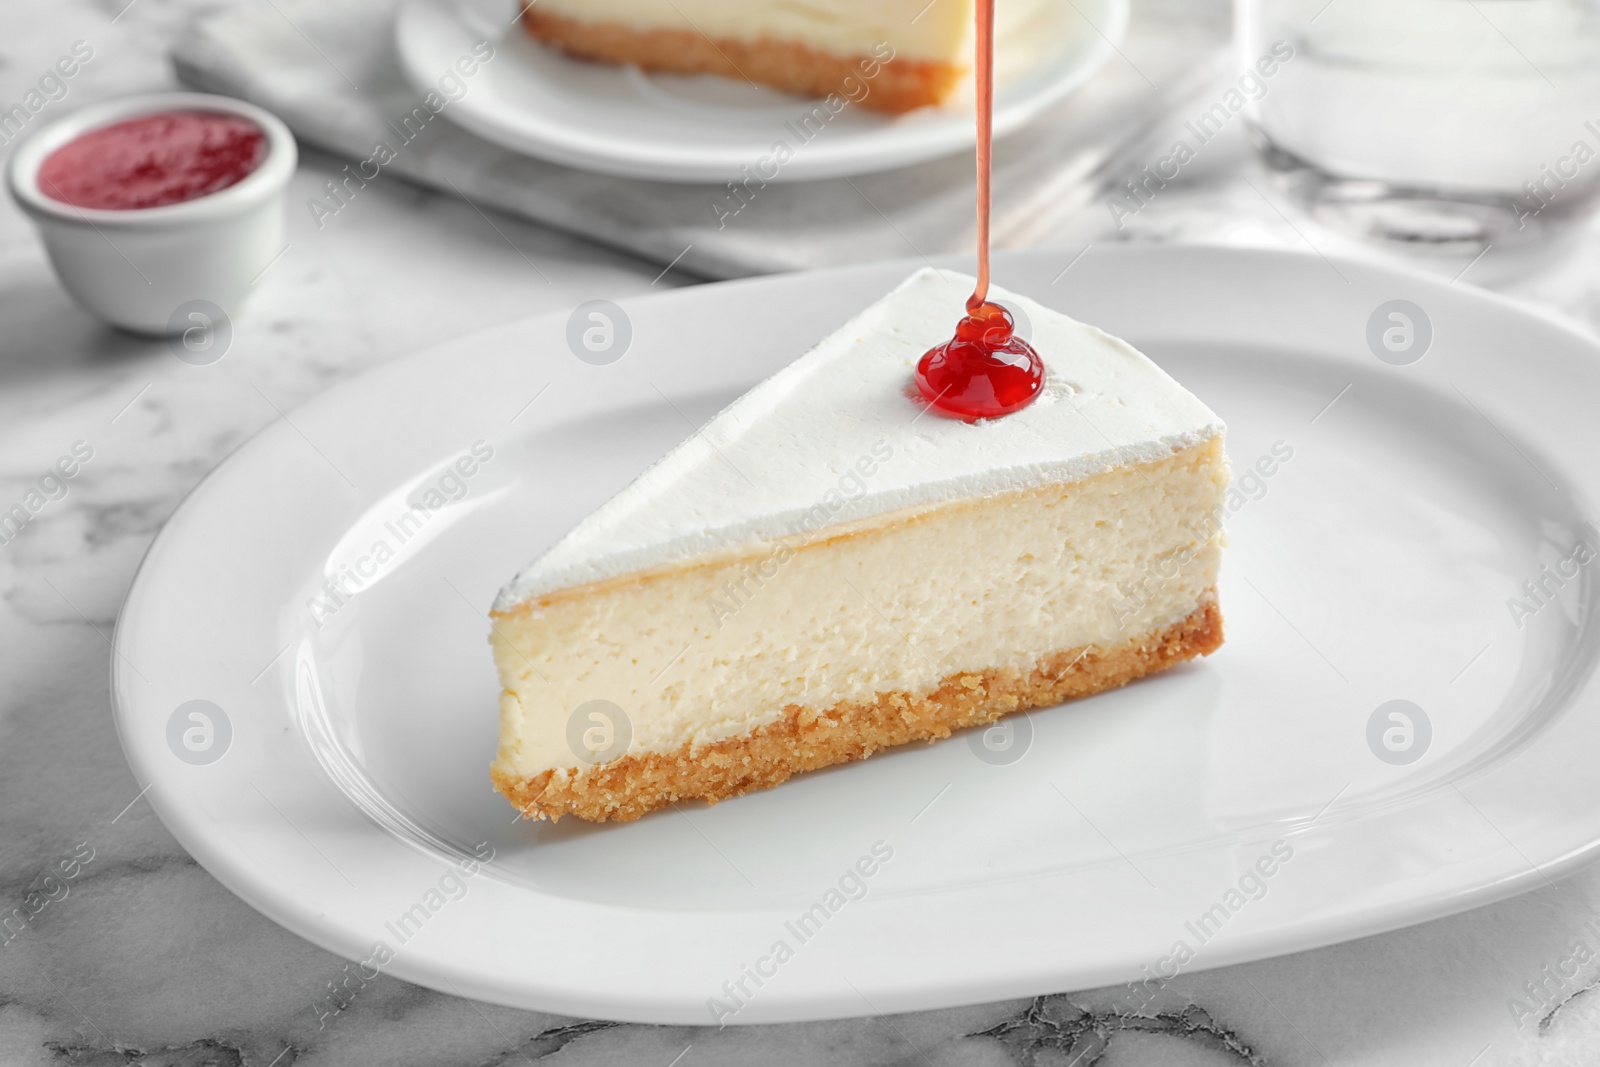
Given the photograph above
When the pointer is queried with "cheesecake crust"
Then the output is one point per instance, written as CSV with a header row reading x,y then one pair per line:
x,y
899,85
806,739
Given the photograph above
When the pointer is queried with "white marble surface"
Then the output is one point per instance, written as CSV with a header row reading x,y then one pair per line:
x,y
147,960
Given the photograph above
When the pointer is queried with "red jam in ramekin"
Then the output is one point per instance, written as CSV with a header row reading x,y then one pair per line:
x,y
153,160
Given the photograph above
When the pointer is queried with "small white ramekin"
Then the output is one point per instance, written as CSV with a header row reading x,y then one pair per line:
x,y
136,268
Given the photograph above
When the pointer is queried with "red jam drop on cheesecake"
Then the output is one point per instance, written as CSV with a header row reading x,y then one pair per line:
x,y
986,370
153,160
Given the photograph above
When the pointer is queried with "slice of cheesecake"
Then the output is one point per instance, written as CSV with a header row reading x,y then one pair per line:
x,y
829,568
886,55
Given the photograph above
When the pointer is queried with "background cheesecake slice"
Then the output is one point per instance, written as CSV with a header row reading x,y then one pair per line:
x,y
830,568
896,54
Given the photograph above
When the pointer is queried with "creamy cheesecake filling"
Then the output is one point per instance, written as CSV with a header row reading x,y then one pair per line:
x,y
707,651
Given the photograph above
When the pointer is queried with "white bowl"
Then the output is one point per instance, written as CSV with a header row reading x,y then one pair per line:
x,y
148,269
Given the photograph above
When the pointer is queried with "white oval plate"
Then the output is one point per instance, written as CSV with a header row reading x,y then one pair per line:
x,y
1373,564
663,127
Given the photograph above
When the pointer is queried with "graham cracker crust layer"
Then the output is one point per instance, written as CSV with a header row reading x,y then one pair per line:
x,y
899,84
805,739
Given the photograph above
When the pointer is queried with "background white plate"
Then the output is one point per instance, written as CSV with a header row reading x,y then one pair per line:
x,y
1374,565
665,127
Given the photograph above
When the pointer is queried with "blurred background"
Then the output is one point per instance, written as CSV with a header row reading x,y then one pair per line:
x,y
1439,133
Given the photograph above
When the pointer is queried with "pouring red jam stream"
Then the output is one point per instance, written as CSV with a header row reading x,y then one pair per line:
x,y
985,370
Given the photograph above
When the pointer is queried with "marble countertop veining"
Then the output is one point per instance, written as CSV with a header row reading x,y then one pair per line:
x,y
140,957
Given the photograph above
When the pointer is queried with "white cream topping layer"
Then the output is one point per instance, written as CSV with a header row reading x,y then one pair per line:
x,y
839,436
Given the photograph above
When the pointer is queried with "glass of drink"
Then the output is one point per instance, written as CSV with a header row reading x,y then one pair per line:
x,y
1446,124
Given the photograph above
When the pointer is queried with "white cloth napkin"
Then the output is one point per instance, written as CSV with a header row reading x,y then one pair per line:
x,y
305,59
